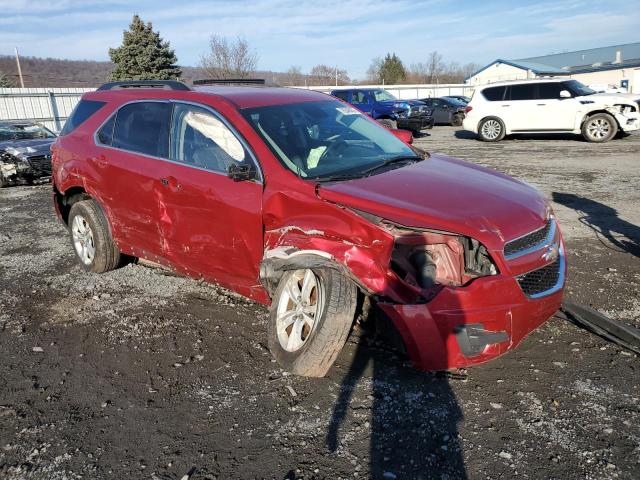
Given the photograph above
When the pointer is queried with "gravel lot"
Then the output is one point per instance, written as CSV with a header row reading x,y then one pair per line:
x,y
142,374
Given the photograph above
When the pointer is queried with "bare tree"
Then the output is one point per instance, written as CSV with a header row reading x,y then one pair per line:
x,y
293,76
226,59
373,72
326,75
434,66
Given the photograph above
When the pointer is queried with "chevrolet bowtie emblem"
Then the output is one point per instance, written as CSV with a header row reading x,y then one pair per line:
x,y
552,253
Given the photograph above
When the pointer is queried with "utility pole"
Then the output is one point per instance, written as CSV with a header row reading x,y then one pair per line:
x,y
19,69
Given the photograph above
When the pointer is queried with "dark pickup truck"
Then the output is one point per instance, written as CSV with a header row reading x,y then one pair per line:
x,y
411,115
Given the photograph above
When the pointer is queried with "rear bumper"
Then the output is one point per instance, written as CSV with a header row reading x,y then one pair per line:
x,y
416,123
470,325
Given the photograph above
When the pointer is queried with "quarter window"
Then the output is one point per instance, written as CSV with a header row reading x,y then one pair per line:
x,y
80,114
105,134
143,127
202,140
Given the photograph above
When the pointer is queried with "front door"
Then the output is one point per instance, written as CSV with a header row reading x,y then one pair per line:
x,y
212,224
558,113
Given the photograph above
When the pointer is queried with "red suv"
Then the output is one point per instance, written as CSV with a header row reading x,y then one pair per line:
x,y
296,200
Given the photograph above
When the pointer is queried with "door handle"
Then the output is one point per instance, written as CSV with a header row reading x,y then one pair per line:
x,y
504,106
541,104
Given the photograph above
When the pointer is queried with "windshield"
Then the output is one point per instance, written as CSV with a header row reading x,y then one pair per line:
x,y
27,131
383,95
318,140
577,89
455,102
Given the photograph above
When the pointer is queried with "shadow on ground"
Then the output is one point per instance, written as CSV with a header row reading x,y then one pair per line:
x,y
413,420
603,220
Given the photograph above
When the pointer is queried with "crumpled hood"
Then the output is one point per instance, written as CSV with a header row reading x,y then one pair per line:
x,y
27,148
610,98
447,194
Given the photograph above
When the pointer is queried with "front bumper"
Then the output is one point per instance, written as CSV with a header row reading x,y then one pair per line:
x,y
415,123
628,123
492,312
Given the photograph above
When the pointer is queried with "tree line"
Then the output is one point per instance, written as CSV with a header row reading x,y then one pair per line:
x,y
143,54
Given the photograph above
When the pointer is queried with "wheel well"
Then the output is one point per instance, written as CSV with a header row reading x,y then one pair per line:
x,y
68,198
591,114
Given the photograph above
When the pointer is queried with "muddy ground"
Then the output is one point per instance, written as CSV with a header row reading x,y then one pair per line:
x,y
141,374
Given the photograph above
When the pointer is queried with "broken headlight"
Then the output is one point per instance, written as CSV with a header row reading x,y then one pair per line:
x,y
426,259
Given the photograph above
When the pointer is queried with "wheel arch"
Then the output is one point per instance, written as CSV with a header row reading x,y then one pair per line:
x,y
282,259
595,112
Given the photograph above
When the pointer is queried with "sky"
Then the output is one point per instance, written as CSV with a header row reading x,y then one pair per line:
x,y
344,33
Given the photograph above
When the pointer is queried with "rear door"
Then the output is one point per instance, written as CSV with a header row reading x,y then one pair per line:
x,y
521,111
132,145
212,224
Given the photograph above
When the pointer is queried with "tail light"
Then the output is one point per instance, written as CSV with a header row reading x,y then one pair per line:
x,y
468,108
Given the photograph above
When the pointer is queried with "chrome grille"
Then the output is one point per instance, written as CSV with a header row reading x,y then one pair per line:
x,y
542,280
528,241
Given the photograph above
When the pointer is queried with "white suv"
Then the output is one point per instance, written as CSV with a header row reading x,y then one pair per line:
x,y
548,106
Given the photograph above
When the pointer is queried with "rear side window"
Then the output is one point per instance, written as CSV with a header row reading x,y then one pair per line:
x,y
105,134
494,94
143,127
549,90
522,92
84,109
359,97
341,95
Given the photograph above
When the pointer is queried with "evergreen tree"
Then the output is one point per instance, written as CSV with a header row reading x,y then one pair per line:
x,y
5,81
143,55
391,70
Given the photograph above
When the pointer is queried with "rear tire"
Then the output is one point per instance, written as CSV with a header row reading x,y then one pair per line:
x,y
3,182
91,238
599,128
456,120
387,122
311,317
491,129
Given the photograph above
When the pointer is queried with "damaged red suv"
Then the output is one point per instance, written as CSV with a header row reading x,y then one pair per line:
x,y
296,200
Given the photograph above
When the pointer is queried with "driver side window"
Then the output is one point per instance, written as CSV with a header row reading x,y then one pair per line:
x,y
201,139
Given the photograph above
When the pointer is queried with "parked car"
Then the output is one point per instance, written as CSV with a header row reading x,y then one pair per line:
x,y
24,151
461,98
446,110
299,201
393,113
550,106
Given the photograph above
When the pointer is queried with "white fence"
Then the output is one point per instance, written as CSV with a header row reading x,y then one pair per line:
x,y
52,106
49,106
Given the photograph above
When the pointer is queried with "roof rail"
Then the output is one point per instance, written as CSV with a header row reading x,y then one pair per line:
x,y
166,84
230,81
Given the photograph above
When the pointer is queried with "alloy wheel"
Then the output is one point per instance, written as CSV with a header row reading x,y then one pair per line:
x,y
491,129
299,308
83,239
599,128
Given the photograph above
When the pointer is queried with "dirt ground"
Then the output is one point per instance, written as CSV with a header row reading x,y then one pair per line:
x,y
142,374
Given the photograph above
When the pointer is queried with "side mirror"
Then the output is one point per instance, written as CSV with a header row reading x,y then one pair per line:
x,y
239,172
565,94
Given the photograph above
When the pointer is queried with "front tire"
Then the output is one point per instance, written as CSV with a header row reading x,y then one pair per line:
x,y
491,129
91,239
387,122
311,316
599,128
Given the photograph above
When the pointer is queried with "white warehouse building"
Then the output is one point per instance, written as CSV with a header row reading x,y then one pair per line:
x,y
617,66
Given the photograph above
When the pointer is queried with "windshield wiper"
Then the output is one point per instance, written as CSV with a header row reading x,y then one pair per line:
x,y
389,161
337,177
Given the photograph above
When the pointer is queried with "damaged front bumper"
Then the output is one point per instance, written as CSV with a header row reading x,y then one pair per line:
x,y
465,326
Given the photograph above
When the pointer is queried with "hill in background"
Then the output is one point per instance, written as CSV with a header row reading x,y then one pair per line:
x,y
54,72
